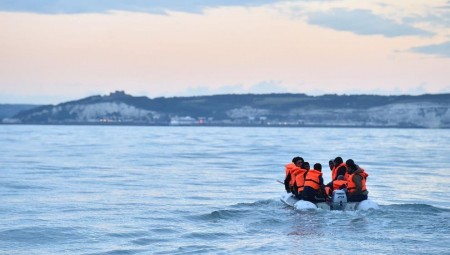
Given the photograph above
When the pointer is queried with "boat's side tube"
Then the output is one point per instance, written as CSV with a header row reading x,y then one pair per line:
x,y
304,205
367,205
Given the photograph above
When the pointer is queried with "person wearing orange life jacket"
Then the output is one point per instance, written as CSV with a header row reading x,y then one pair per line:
x,y
356,186
314,190
340,168
339,183
290,168
300,179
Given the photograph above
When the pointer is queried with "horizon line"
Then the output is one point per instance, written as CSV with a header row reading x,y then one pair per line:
x,y
228,94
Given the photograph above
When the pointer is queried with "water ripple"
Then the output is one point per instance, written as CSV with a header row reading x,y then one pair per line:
x,y
185,190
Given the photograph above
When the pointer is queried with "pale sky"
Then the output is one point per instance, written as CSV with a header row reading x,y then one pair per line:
x,y
52,51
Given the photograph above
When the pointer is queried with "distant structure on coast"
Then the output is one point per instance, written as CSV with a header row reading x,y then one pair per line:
x,y
119,108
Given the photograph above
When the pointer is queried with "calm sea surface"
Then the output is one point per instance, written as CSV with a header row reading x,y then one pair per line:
x,y
213,190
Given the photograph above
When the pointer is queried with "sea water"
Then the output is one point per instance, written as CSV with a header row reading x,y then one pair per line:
x,y
213,190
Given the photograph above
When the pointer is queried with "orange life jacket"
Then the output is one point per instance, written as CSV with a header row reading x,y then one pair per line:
x,y
300,179
312,179
290,169
335,169
351,186
339,184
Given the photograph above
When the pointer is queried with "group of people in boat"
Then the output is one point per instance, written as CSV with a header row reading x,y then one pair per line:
x,y
307,184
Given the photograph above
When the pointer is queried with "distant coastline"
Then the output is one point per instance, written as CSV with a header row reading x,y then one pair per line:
x,y
248,110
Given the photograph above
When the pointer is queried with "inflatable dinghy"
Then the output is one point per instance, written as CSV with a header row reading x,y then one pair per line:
x,y
338,202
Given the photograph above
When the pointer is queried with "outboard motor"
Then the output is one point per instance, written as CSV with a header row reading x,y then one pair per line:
x,y
338,200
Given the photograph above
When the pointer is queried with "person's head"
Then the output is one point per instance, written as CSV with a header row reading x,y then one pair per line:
x,y
341,177
318,167
350,162
338,161
305,165
351,168
331,164
298,161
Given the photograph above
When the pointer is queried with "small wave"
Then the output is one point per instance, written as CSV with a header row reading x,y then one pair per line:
x,y
119,252
207,235
127,234
40,235
199,197
194,249
165,231
224,214
16,186
239,210
416,207
148,241
306,233
258,203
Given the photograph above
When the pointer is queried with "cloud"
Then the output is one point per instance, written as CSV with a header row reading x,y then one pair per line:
x,y
204,91
442,49
264,87
435,17
101,6
363,22
267,87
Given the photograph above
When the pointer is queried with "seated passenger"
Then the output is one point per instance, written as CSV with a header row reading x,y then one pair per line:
x,y
290,168
305,165
340,168
299,183
331,165
338,184
356,182
314,190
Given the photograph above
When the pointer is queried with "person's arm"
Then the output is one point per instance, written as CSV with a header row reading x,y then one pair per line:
x,y
295,189
322,187
357,179
286,183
